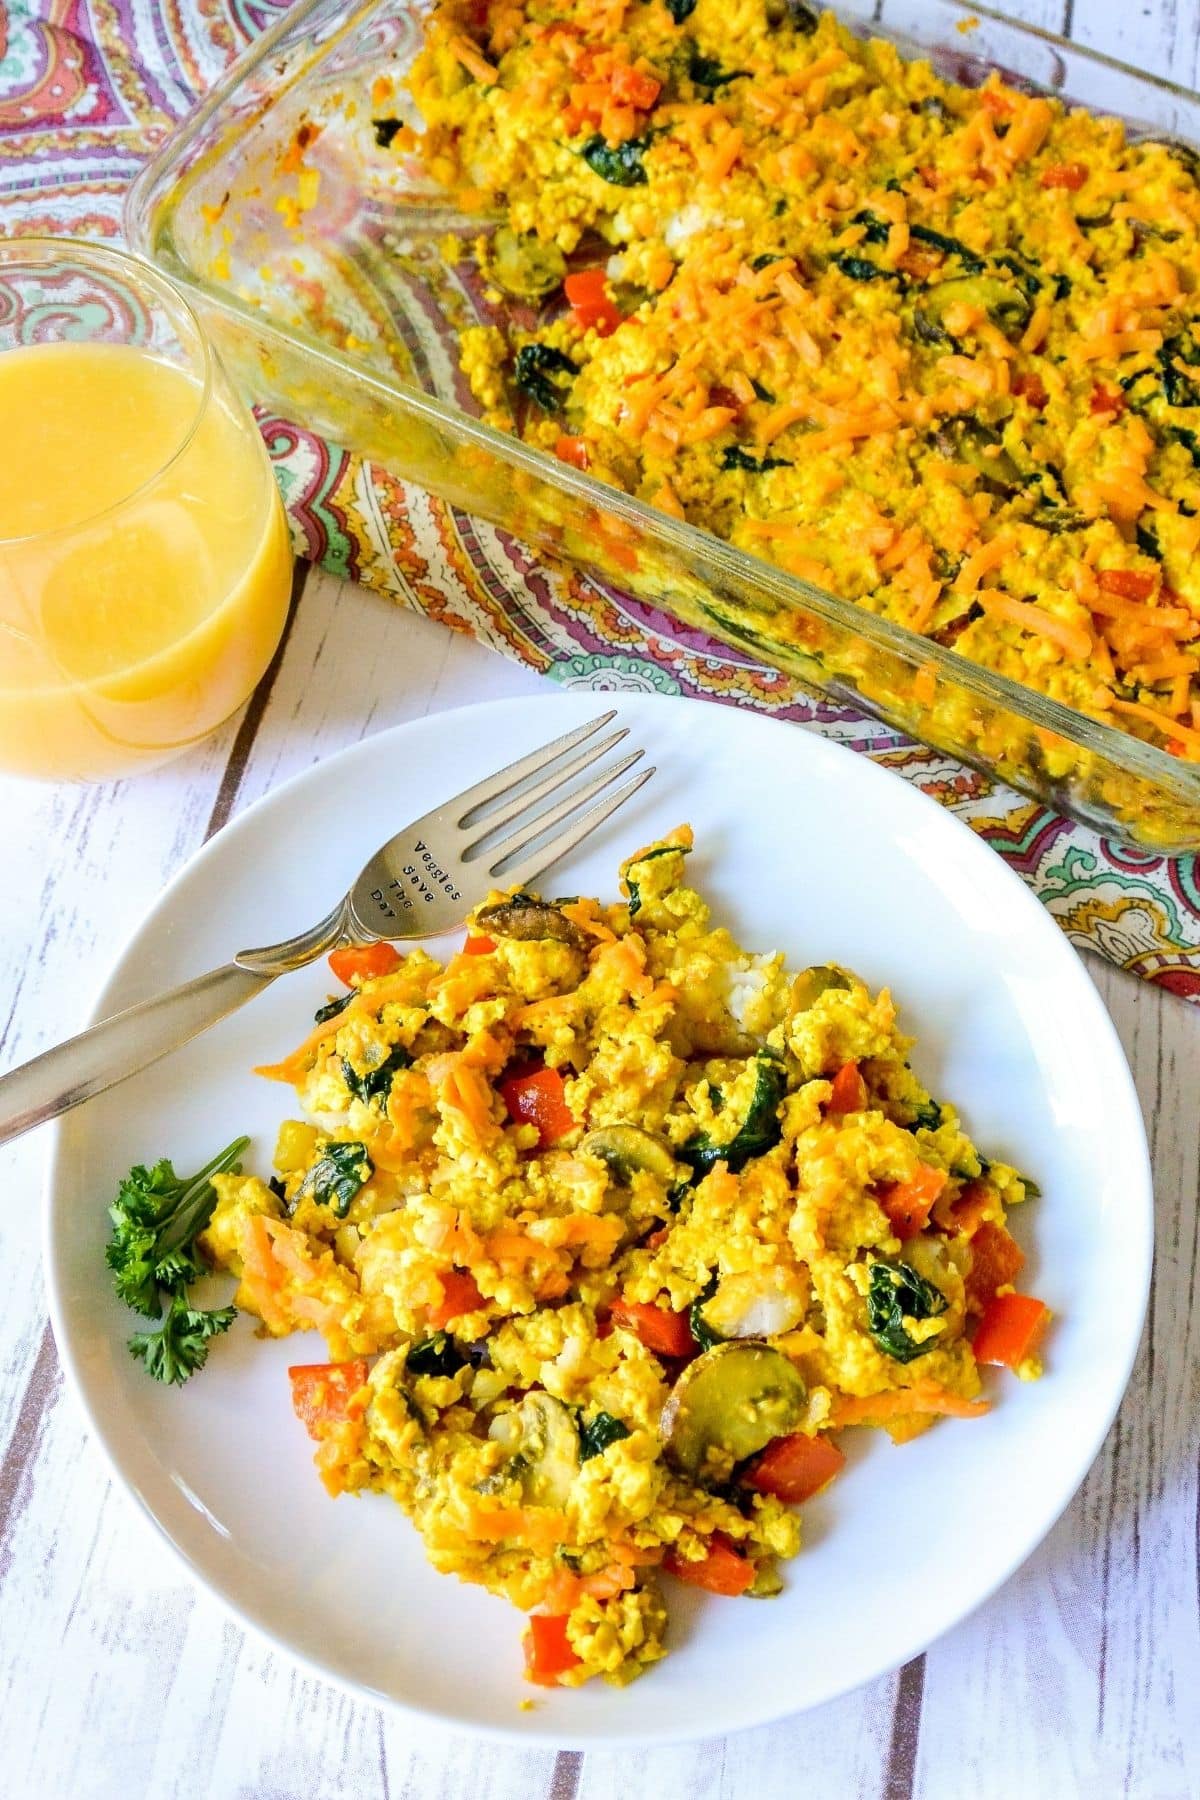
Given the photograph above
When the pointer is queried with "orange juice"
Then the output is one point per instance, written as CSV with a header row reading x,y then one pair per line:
x,y
144,559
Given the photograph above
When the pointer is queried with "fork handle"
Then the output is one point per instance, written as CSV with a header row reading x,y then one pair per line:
x,y
119,1046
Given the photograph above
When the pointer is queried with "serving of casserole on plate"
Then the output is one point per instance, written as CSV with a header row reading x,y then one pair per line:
x,y
510,1275
633,1224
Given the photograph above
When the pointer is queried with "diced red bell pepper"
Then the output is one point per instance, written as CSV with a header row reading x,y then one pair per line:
x,y
666,1333
590,301
1009,1330
539,1098
572,450
849,1090
548,1652
364,960
478,946
1064,175
909,1203
1127,584
1106,400
965,1215
322,1392
723,1571
460,1294
1029,387
720,395
797,1467
996,1261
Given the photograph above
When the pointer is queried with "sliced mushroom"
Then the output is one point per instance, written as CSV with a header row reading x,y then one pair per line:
x,y
543,1448
527,920
524,266
967,440
628,1150
728,1405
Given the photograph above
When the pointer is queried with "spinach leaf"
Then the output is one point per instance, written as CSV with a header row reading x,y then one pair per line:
x,y
533,372
927,1117
1022,273
706,72
619,164
635,891
801,18
734,457
1179,434
337,1176
598,1433
680,9
1178,389
385,131
698,1325
436,1355
332,1008
765,257
376,1083
1147,541
897,1292
875,229
859,268
761,392
949,246
759,1131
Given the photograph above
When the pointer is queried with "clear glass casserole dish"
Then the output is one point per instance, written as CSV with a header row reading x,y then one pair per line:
x,y
336,282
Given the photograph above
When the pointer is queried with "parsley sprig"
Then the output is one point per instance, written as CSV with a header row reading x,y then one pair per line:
x,y
157,1218
180,1346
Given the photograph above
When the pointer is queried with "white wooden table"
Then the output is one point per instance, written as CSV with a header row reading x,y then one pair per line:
x,y
118,1682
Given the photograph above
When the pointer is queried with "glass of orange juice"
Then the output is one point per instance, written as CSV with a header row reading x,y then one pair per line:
x,y
145,565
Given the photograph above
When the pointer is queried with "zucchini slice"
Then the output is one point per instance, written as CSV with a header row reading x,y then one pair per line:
x,y
729,1404
627,1150
542,1445
1000,301
523,265
810,984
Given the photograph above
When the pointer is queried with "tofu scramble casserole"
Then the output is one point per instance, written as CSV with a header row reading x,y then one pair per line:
x,y
930,347
610,1228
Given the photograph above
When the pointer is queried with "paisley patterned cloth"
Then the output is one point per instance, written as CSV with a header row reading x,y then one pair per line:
x,y
88,88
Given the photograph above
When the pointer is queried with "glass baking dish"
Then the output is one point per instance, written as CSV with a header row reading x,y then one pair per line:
x,y
336,280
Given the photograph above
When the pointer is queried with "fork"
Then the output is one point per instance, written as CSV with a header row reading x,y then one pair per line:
x,y
420,883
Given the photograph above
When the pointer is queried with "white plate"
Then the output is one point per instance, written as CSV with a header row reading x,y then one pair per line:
x,y
801,845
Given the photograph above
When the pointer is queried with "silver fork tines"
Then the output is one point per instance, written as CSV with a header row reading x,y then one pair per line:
x,y
537,827
421,883
507,781
495,815
520,874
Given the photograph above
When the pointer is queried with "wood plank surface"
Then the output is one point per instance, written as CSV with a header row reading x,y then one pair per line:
x,y
1079,1678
